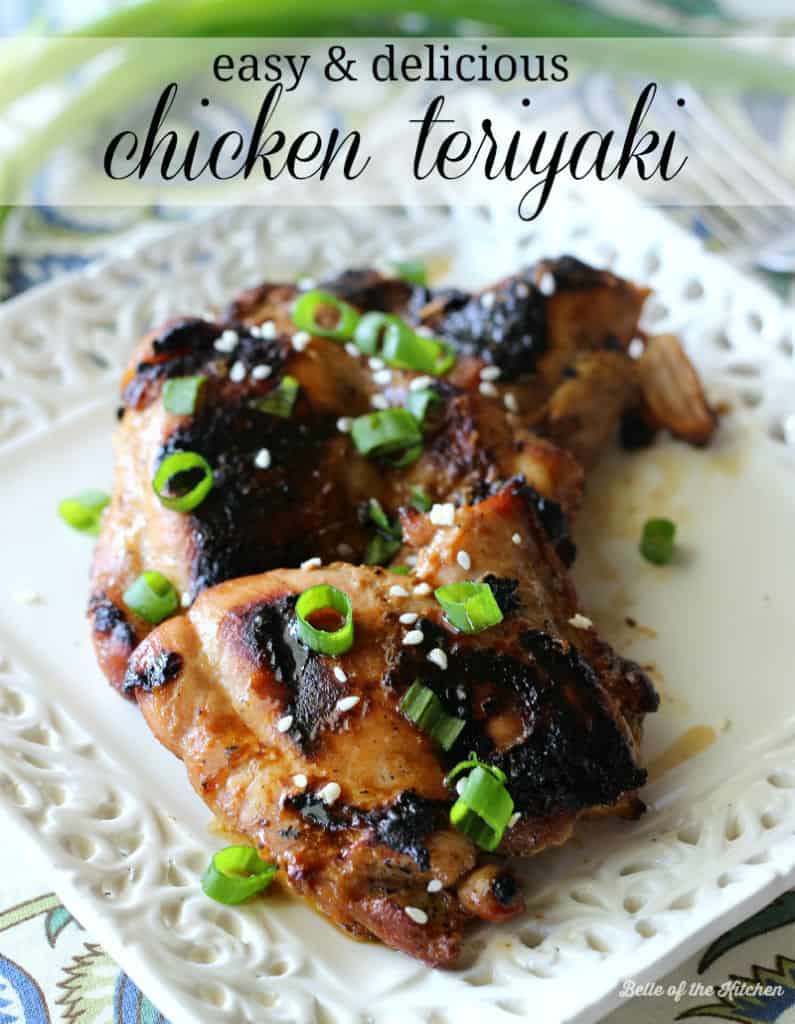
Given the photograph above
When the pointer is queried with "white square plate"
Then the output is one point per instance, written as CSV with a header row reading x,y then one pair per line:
x,y
114,813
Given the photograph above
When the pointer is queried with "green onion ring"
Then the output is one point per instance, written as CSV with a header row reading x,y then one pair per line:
x,y
152,597
316,598
385,432
173,465
235,874
409,351
413,271
470,607
484,806
422,707
418,403
180,394
279,401
657,541
373,328
83,512
305,309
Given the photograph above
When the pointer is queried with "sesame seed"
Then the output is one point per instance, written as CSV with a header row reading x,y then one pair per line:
x,y
522,291
509,401
516,538
490,373
487,389
263,459
284,723
267,330
422,589
330,792
547,284
487,300
261,372
513,819
238,372
383,377
580,621
346,703
300,780
459,786
311,563
305,283
227,342
411,561
635,349
408,618
416,915
379,402
397,591
434,885
461,693
438,658
344,424
185,600
340,674
424,331
420,383
413,637
375,363
300,340
352,350
443,514
464,560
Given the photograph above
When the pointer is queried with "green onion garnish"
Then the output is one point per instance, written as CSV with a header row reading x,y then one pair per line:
x,y
422,707
420,500
376,514
280,401
83,512
408,351
657,541
175,465
180,394
400,570
484,807
470,607
406,459
310,303
322,598
413,271
373,328
152,597
387,432
380,550
418,403
236,873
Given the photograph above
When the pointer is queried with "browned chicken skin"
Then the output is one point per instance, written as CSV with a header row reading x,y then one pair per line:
x,y
543,699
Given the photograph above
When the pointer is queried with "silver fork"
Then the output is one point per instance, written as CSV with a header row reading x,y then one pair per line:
x,y
755,219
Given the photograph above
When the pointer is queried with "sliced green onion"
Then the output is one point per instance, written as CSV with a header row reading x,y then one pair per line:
x,y
386,432
83,512
422,707
310,303
173,466
413,271
380,550
409,351
377,515
180,394
317,599
420,500
152,597
470,607
280,401
400,570
657,541
406,459
418,403
484,807
235,874
373,328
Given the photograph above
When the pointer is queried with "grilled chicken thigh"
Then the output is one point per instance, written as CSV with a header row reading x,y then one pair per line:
x,y
350,799
288,489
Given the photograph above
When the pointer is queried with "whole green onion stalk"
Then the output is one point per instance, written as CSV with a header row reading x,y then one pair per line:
x,y
42,60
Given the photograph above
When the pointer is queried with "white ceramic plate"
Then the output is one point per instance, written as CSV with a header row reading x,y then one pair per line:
x,y
124,832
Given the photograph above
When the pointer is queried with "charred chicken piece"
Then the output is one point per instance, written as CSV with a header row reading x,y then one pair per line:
x,y
350,798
